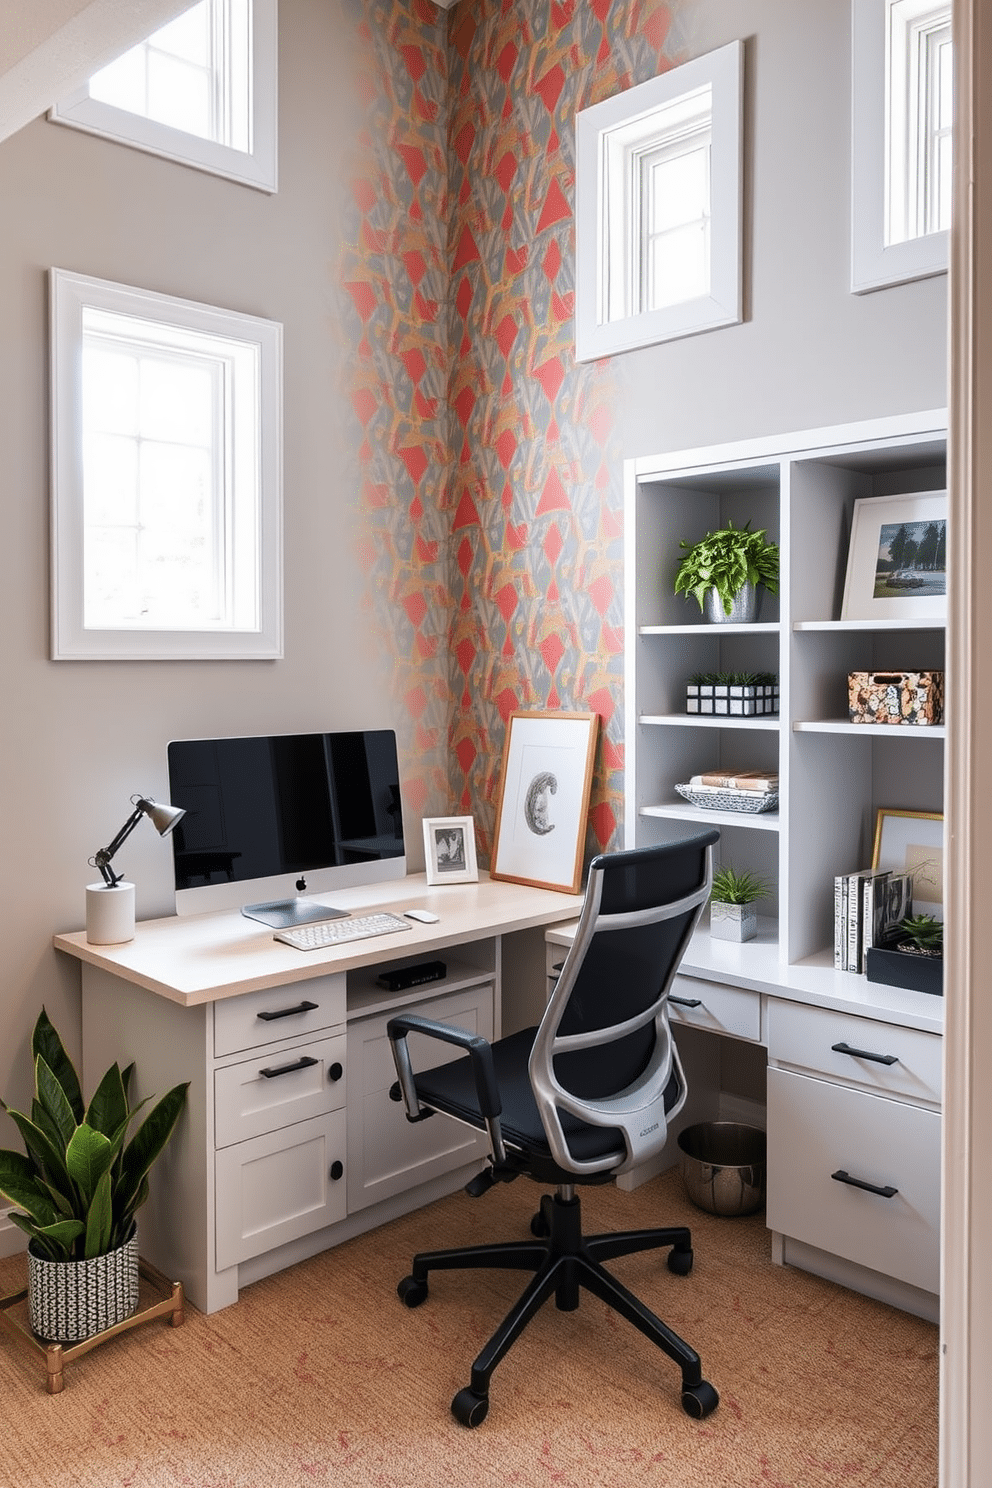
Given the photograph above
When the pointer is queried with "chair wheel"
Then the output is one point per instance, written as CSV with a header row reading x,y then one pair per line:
x,y
680,1261
470,1408
699,1400
411,1291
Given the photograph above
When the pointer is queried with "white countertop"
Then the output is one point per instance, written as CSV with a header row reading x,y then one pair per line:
x,y
193,959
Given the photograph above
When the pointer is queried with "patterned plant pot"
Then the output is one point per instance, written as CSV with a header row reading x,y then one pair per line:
x,y
69,1301
733,921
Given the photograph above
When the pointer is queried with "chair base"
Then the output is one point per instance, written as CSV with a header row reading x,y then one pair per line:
x,y
562,1265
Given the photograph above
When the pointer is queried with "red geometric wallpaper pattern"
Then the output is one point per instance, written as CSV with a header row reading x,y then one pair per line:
x,y
490,473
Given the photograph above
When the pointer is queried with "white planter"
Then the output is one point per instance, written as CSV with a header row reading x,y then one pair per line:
x,y
69,1301
733,921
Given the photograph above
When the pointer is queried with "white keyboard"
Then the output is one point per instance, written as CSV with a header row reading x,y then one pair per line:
x,y
337,932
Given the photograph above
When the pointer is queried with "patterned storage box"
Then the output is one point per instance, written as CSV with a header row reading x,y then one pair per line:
x,y
896,697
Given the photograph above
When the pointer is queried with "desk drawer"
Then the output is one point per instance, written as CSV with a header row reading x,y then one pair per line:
x,y
280,1186
816,1129
278,1013
735,1011
274,1090
879,1057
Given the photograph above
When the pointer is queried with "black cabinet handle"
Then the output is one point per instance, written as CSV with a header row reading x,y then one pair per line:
x,y
888,1192
337,1170
288,1069
336,1071
685,1001
301,1007
843,1048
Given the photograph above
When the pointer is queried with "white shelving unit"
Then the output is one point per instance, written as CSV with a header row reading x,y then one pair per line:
x,y
834,775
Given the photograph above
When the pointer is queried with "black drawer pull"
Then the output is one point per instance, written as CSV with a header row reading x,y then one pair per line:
x,y
301,1007
287,1069
335,1072
864,1054
336,1170
888,1192
685,1001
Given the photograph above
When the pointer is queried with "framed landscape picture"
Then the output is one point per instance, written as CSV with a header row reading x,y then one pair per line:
x,y
544,799
897,560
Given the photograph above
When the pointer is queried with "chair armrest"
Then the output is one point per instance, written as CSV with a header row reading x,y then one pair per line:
x,y
478,1049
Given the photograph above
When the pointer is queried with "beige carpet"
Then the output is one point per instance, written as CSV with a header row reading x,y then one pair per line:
x,y
321,1376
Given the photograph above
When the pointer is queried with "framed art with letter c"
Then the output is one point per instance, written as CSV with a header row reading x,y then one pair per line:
x,y
544,799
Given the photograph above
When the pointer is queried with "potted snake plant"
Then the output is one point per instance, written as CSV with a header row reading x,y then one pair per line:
x,y
76,1189
725,571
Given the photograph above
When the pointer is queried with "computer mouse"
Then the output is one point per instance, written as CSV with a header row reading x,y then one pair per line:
x,y
423,915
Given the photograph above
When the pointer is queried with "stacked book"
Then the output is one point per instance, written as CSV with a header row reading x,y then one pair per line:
x,y
715,782
867,907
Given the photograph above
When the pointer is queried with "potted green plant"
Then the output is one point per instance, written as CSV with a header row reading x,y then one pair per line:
x,y
733,897
912,958
77,1187
724,570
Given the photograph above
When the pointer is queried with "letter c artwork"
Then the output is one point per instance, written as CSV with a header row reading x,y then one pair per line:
x,y
537,805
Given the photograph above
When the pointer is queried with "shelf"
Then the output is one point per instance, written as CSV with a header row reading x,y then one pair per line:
x,y
762,821
703,627
710,720
871,730
366,997
869,625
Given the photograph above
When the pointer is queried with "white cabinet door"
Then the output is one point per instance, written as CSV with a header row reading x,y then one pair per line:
x,y
824,1142
279,1186
386,1153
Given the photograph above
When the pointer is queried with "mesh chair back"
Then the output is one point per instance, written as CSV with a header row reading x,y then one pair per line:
x,y
604,1051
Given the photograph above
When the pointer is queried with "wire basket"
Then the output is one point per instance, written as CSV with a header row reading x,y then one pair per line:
x,y
729,800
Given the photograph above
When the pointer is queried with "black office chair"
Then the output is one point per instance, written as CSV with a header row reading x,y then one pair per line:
x,y
580,1099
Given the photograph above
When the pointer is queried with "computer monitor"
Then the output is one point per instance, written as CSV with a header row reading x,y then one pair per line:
x,y
273,818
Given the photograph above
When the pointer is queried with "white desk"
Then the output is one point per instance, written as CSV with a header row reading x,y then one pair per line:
x,y
853,1086
289,1143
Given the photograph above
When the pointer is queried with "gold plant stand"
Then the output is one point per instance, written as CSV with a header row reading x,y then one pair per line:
x,y
159,1297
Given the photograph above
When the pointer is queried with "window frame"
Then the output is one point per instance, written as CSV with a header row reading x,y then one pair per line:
x,y
876,263
600,195
70,295
257,167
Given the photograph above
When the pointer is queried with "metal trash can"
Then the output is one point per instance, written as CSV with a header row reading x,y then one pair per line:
x,y
723,1166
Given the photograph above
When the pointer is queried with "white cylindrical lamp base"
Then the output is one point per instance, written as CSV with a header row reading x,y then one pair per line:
x,y
109,913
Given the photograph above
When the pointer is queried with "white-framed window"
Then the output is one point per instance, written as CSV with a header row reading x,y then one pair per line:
x,y
166,476
658,208
201,90
902,91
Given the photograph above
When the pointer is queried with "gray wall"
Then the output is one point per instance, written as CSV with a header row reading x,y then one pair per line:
x,y
77,739
809,353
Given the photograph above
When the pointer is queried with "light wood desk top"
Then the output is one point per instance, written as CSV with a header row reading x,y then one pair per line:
x,y
195,959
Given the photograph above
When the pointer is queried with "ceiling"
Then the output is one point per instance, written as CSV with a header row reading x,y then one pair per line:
x,y
50,47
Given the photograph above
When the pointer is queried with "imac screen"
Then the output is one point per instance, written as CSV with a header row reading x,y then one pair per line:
x,y
283,815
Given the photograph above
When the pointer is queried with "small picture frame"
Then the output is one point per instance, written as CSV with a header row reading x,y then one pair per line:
x,y
897,559
913,842
544,799
449,849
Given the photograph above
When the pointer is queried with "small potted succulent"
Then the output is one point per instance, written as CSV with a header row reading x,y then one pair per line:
x,y
912,958
725,571
76,1189
733,897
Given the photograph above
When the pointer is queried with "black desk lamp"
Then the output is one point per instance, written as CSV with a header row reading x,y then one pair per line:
x,y
110,904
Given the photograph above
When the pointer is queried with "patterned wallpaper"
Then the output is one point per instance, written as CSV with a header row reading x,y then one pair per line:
x,y
490,469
